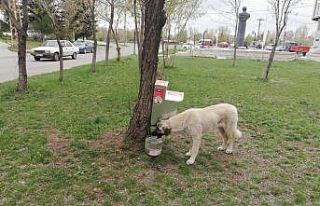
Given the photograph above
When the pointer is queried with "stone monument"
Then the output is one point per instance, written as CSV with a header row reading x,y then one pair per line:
x,y
243,17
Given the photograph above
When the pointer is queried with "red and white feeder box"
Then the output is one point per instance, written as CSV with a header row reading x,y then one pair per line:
x,y
174,96
164,101
160,90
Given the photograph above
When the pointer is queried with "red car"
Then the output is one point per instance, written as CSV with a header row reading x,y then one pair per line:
x,y
223,45
206,42
300,49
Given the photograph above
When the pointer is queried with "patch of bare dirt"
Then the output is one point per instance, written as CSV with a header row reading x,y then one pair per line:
x,y
57,144
60,147
146,176
111,139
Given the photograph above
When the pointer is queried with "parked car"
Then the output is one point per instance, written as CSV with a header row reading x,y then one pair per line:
x,y
269,47
84,46
303,49
223,45
50,50
281,48
256,44
187,46
205,43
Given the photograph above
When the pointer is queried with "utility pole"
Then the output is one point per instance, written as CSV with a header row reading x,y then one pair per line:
x,y
260,20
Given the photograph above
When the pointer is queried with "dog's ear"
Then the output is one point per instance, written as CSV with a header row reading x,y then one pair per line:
x,y
167,131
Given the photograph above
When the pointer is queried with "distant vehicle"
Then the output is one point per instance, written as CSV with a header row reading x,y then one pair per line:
x,y
269,47
285,46
187,46
84,46
223,45
300,49
205,42
289,44
281,48
50,50
256,44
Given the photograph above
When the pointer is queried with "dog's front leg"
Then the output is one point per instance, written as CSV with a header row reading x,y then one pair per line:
x,y
196,140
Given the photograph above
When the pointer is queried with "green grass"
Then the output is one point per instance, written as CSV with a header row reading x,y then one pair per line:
x,y
60,144
30,43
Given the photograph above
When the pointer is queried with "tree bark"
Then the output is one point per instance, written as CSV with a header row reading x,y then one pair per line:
x,y
94,55
60,58
142,30
163,56
270,61
20,24
235,44
141,118
109,31
117,44
137,37
22,85
169,34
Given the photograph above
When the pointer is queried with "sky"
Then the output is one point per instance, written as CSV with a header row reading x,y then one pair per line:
x,y
218,14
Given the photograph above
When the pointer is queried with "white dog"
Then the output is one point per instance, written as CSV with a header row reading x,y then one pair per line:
x,y
220,119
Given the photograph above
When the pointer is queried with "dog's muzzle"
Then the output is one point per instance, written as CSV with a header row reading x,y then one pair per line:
x,y
157,133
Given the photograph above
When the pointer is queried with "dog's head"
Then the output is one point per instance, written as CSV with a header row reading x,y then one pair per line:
x,y
162,129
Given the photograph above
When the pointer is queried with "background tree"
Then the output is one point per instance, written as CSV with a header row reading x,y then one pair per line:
x,y
39,20
235,7
249,38
110,19
155,19
301,35
185,11
93,14
223,34
55,10
4,23
281,10
179,13
20,23
83,21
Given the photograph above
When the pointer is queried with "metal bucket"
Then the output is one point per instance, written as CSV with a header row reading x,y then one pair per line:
x,y
153,146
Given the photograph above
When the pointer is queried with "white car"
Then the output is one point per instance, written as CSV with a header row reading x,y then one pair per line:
x,y
50,50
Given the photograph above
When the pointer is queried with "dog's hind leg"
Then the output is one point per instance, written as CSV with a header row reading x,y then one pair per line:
x,y
221,133
232,134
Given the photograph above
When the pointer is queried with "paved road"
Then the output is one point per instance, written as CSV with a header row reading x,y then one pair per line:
x,y
9,62
242,54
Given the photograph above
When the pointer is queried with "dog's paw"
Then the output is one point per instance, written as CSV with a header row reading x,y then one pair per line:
x,y
190,161
221,148
229,151
188,154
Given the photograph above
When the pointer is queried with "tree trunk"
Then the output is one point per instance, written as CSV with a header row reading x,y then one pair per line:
x,y
169,34
142,30
163,56
235,44
137,38
22,85
60,58
268,68
134,43
94,55
22,47
117,45
109,32
141,118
